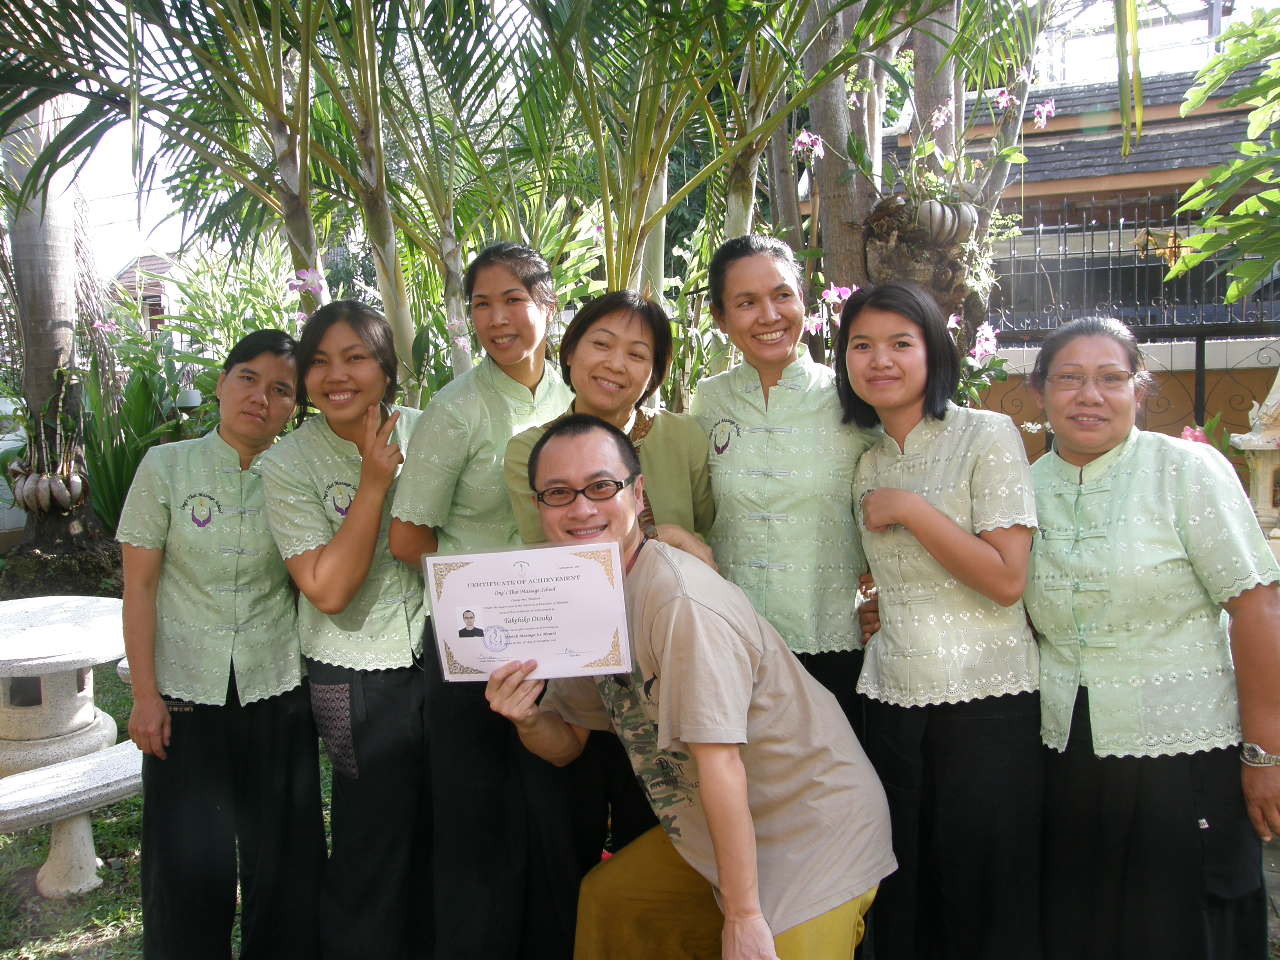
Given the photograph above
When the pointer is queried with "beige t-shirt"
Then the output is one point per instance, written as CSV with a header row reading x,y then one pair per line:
x,y
708,669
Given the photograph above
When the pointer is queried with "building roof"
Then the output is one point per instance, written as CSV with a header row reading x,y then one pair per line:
x,y
1080,148
131,277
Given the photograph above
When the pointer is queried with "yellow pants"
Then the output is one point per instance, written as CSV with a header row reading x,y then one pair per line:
x,y
647,903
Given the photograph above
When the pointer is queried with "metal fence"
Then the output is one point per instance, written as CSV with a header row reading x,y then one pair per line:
x,y
1072,259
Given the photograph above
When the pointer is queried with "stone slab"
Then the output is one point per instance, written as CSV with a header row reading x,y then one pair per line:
x,y
44,635
70,788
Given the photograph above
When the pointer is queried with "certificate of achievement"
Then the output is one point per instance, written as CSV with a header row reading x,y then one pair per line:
x,y
561,606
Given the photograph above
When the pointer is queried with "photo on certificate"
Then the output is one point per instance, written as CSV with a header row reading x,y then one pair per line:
x,y
561,606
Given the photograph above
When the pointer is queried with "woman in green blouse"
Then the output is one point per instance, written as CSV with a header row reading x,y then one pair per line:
x,y
946,513
329,486
504,889
220,707
614,354
1153,809
781,466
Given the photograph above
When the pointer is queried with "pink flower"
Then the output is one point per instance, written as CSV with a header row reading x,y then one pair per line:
x,y
834,296
1044,112
853,100
815,324
943,113
308,281
1004,99
1022,74
106,326
984,342
953,322
808,146
1195,433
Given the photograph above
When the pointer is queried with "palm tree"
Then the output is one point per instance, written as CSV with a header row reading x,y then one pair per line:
x,y
42,235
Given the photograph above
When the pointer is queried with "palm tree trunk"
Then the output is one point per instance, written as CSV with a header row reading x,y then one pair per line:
x,y
455,307
842,256
784,192
653,265
42,235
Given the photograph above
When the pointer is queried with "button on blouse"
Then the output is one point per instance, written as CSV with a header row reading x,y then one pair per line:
x,y
1135,554
312,476
782,474
223,599
939,640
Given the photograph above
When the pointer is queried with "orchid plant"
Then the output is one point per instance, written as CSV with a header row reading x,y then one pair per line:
x,y
1213,433
980,367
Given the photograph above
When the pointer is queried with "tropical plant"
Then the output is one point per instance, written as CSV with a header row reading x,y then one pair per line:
x,y
42,234
1241,235
118,432
1214,434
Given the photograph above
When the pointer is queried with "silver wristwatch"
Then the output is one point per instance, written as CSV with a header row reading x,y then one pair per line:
x,y
1252,755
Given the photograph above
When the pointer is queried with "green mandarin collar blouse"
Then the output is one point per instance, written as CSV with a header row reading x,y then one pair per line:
x,y
452,478
939,640
312,476
1134,556
782,476
224,596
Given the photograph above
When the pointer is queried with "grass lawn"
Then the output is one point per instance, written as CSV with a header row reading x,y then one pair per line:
x,y
107,923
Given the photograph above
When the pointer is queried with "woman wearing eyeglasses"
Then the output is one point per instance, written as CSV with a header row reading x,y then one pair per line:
x,y
1153,808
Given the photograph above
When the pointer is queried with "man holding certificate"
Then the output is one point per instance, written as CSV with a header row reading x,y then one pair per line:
x,y
774,828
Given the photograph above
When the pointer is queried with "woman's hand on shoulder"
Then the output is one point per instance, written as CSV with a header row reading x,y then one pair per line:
x,y
674,535
149,724
381,455
886,507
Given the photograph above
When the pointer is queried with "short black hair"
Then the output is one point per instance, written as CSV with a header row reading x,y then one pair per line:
x,y
465,612
575,425
942,359
369,325
529,266
652,315
257,343
1090,327
748,245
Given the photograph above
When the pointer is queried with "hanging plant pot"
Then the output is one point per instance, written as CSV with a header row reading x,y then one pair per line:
x,y
947,224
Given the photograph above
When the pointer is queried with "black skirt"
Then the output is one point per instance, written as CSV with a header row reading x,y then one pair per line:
x,y
1149,856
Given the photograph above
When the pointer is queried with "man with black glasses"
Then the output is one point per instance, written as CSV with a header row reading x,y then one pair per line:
x,y
774,828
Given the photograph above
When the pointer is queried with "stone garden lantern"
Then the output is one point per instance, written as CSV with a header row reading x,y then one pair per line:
x,y
1261,446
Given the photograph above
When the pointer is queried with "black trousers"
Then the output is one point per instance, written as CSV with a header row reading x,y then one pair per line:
x,y
506,862
965,789
240,782
838,671
376,900
1149,856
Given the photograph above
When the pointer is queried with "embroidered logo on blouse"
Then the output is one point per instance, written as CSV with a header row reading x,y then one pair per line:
x,y
202,507
722,432
340,495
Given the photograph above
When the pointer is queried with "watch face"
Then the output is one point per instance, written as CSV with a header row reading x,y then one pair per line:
x,y
1253,753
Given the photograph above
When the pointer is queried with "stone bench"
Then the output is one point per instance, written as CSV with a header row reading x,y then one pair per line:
x,y
63,794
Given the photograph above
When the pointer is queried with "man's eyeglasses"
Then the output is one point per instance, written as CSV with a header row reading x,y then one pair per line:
x,y
596,490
